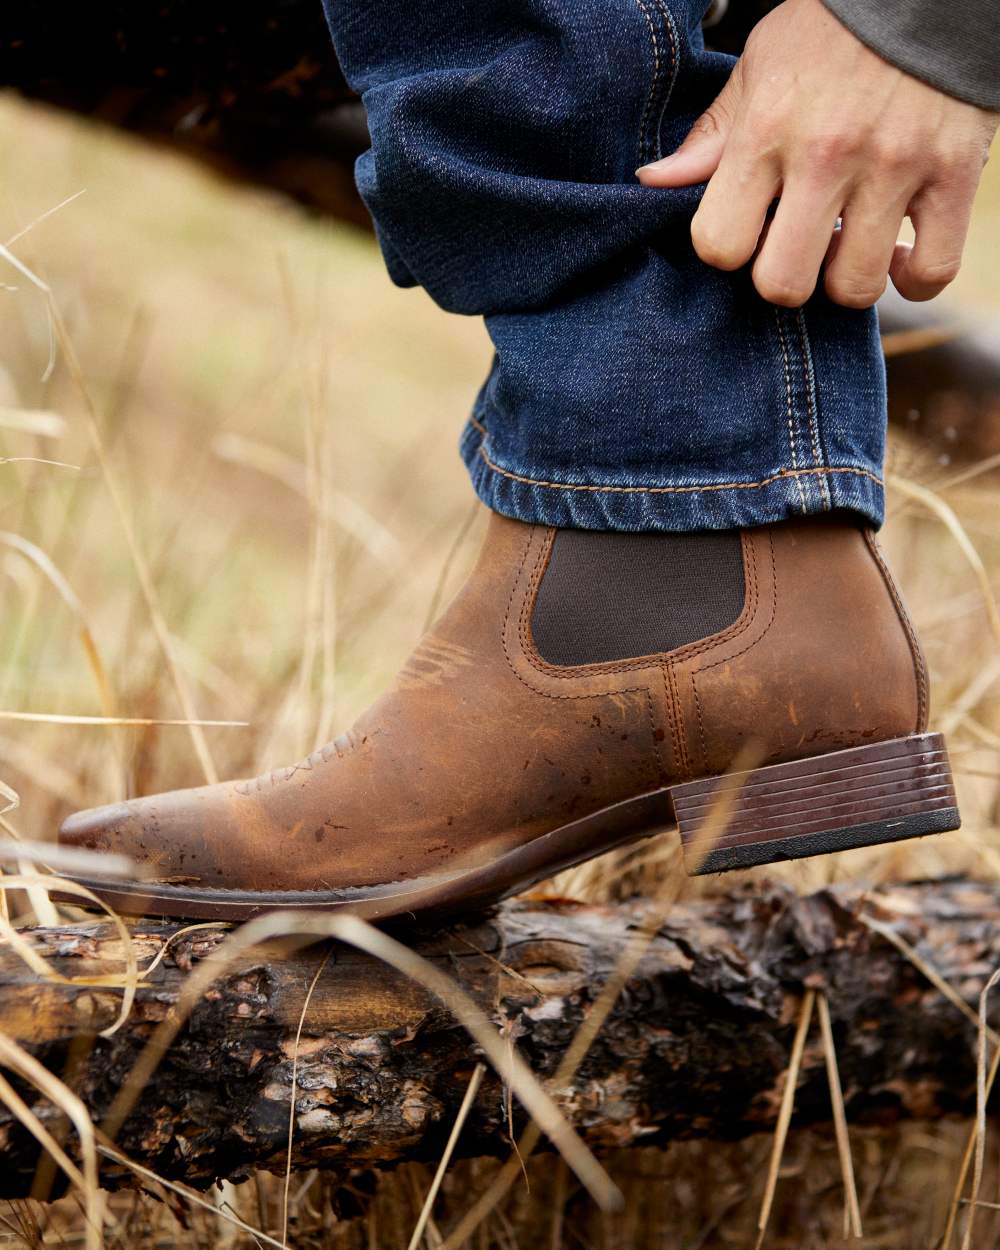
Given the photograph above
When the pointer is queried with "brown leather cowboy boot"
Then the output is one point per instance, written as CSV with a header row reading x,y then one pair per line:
x,y
582,691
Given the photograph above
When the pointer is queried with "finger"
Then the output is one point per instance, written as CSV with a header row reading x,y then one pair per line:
x,y
857,266
788,263
727,227
940,217
698,156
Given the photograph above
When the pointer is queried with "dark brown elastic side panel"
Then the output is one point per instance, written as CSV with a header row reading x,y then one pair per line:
x,y
611,596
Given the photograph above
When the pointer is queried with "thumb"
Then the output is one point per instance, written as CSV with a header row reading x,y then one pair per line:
x,y
697,159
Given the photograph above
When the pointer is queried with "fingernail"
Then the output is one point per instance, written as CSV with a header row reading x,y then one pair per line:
x,y
660,164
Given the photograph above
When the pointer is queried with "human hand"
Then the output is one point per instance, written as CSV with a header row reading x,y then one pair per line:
x,y
815,119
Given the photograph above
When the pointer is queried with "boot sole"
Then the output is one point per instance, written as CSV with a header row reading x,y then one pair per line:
x,y
862,796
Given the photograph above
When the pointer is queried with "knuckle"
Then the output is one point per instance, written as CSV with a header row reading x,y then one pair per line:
x,y
935,272
707,124
761,130
827,153
788,294
714,246
896,157
955,170
854,291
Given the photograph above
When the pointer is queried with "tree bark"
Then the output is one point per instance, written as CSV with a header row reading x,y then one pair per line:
x,y
697,1044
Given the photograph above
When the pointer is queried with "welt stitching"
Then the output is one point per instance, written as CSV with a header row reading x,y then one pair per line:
x,y
788,395
923,694
668,22
812,406
477,425
653,86
677,490
726,659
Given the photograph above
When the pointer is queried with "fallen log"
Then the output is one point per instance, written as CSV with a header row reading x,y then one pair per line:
x,y
697,1044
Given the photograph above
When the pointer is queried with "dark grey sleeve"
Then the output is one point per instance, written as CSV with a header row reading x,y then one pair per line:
x,y
952,44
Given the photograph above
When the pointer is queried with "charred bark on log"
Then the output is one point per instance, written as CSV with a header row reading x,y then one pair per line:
x,y
697,1044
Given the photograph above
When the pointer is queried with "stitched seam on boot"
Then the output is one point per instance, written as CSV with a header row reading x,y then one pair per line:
x,y
683,757
526,652
702,668
726,659
570,672
537,663
742,623
916,654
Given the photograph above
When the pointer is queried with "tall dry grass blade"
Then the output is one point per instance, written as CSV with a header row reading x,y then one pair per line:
x,y
344,511
146,584
157,959
946,515
449,1150
21,947
9,798
930,972
980,731
356,932
903,342
131,979
710,830
975,691
986,465
43,771
785,1114
980,1151
956,1198
455,547
36,421
852,1209
56,579
67,858
190,1195
49,212
43,907
291,1103
55,464
27,1066
57,718
19,1108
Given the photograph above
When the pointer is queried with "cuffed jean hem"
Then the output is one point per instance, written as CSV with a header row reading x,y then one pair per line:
x,y
677,507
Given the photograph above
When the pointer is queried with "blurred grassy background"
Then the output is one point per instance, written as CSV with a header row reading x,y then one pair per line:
x,y
283,422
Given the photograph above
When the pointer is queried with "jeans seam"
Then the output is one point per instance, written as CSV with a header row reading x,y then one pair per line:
x,y
781,475
812,403
790,406
671,30
649,142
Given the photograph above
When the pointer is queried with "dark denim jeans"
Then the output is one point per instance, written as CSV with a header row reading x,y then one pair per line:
x,y
633,387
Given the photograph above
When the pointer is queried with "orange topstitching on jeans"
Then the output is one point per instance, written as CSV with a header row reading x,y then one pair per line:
x,y
679,490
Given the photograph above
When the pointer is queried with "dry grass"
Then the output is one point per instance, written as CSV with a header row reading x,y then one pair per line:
x,y
280,425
